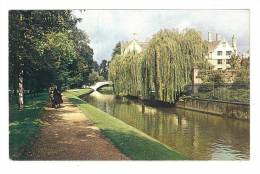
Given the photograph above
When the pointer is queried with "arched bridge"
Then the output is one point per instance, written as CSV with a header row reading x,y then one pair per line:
x,y
101,84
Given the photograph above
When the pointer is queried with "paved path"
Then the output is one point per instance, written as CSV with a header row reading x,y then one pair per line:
x,y
67,134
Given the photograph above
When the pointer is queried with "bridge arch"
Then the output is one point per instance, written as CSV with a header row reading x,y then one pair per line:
x,y
100,84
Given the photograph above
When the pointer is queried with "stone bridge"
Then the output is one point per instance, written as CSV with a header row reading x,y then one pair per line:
x,y
101,84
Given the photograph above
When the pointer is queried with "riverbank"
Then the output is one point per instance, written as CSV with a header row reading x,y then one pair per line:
x,y
24,125
129,140
234,110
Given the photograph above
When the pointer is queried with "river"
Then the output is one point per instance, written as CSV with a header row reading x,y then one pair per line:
x,y
196,135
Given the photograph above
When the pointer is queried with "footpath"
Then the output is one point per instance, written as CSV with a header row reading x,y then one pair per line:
x,y
67,134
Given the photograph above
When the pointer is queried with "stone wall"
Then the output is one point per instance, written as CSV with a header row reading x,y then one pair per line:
x,y
225,109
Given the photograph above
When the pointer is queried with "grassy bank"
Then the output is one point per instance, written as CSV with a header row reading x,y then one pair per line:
x,y
24,125
129,140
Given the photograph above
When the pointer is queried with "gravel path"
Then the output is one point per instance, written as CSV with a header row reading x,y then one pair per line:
x,y
67,134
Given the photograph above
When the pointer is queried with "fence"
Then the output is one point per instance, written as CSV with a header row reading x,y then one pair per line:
x,y
239,92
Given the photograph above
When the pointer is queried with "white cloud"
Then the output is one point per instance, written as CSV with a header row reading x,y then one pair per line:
x,y
107,27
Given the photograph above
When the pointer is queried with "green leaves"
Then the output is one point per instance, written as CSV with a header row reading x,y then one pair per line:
x,y
163,69
49,48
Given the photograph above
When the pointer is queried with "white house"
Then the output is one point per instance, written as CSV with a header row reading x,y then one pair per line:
x,y
220,51
133,46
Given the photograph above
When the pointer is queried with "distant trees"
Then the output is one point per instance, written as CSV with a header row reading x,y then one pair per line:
x,y
46,47
95,77
103,69
163,69
99,72
116,50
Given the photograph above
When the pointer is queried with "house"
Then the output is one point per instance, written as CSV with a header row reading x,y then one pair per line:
x,y
220,51
132,46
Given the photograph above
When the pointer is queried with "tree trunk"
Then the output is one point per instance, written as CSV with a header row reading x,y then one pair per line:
x,y
20,89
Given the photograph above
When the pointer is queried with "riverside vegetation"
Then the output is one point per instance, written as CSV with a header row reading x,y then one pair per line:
x,y
163,70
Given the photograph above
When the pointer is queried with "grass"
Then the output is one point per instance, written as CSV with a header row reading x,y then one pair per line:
x,y
79,92
24,125
129,140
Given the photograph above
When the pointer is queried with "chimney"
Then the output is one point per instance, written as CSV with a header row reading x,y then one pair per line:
x,y
234,43
209,37
218,37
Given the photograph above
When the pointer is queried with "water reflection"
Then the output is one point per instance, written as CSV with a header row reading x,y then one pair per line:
x,y
198,136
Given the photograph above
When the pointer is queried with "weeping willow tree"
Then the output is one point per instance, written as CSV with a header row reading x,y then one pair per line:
x,y
163,69
125,73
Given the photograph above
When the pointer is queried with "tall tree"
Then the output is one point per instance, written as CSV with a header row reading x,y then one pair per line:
x,y
42,46
163,69
103,69
116,50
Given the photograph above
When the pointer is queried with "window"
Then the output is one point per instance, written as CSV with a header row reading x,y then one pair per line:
x,y
220,61
228,53
219,53
228,61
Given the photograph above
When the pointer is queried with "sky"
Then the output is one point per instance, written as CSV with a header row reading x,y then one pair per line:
x,y
105,28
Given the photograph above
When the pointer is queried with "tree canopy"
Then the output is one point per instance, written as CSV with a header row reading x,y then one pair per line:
x,y
45,48
48,48
163,69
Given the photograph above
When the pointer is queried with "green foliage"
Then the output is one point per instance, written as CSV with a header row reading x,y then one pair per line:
x,y
129,140
224,93
95,66
103,69
125,72
216,77
24,125
234,62
116,50
243,74
163,69
48,48
95,77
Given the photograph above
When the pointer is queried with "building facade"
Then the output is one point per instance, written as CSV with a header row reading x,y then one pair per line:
x,y
220,51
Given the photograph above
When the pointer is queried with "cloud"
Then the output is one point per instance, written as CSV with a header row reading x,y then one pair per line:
x,y
106,27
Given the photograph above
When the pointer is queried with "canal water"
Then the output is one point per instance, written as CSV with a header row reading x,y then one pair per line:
x,y
196,135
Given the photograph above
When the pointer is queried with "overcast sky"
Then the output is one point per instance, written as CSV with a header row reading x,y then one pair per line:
x,y
106,27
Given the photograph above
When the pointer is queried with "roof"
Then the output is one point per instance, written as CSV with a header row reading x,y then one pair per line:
x,y
143,45
212,45
125,44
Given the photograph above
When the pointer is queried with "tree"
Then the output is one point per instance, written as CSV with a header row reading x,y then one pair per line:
x,y
43,45
95,66
95,77
235,62
164,67
103,69
116,50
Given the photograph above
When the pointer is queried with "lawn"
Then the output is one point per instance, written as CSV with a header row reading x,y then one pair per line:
x,y
24,125
129,140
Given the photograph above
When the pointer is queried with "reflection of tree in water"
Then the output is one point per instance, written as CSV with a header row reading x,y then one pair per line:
x,y
197,135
